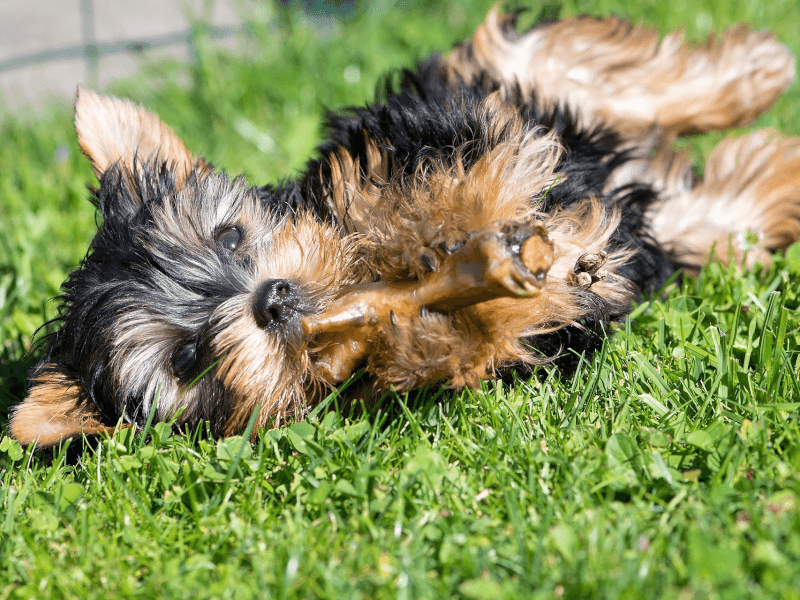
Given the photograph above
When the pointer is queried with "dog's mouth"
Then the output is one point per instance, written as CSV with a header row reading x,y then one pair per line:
x,y
506,259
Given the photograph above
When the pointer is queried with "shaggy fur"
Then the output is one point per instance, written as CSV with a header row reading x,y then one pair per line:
x,y
498,210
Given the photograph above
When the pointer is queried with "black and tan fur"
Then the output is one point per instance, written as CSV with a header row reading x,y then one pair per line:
x,y
203,297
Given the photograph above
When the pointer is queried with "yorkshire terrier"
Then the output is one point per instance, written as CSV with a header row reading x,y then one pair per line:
x,y
497,209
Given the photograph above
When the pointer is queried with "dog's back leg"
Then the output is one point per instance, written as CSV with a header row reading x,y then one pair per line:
x,y
747,201
611,71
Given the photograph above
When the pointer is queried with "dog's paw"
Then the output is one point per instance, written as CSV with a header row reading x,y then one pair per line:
x,y
513,256
505,258
587,270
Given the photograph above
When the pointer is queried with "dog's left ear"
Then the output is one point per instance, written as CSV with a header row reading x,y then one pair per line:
x,y
54,411
111,130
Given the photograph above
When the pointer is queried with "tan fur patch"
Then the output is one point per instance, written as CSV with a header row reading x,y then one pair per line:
x,y
446,200
619,74
52,413
656,163
748,200
352,194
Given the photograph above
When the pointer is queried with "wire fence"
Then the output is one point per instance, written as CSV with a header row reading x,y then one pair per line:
x,y
92,51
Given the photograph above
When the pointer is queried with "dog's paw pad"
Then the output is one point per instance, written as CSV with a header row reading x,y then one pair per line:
x,y
587,269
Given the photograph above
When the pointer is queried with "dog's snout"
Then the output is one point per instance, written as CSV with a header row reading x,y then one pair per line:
x,y
275,303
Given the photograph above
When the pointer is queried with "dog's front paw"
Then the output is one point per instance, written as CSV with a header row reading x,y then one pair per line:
x,y
505,258
518,255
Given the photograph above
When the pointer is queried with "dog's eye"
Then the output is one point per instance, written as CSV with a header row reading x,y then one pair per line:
x,y
229,238
183,360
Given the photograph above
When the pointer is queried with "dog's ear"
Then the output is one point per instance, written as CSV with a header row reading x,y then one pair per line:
x,y
54,411
111,130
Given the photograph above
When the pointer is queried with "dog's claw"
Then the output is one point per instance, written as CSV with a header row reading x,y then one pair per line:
x,y
429,261
449,249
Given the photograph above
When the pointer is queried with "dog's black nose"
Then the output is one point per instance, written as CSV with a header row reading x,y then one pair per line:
x,y
276,303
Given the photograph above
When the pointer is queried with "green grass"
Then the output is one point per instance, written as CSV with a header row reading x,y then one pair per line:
x,y
669,466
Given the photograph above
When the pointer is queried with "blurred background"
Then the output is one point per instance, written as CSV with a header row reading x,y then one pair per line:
x,y
48,47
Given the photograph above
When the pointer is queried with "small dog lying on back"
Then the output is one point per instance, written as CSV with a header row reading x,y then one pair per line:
x,y
495,212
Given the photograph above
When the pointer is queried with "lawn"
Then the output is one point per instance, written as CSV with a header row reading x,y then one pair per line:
x,y
668,466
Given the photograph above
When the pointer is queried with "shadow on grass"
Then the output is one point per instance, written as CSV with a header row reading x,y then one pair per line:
x,y
13,374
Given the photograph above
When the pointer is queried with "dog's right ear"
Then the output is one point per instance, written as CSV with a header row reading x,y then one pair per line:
x,y
54,411
111,130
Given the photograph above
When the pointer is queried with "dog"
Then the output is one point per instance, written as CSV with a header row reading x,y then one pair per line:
x,y
496,209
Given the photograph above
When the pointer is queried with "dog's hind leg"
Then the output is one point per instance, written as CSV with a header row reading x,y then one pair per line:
x,y
610,71
747,202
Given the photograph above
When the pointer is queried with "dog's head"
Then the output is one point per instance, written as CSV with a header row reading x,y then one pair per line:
x,y
189,298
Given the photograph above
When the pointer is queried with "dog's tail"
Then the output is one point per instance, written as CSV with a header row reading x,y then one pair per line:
x,y
610,71
747,203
